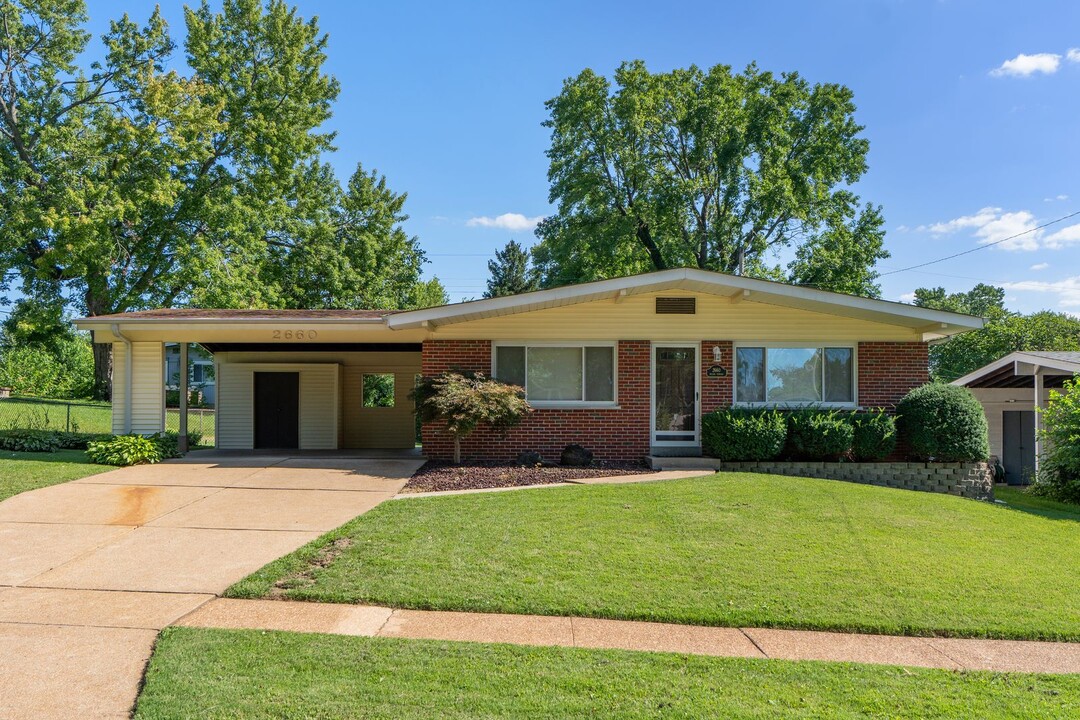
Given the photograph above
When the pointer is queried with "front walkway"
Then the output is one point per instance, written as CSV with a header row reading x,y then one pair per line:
x,y
90,570
373,621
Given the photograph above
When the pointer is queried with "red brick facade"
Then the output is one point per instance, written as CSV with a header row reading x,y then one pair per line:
x,y
887,371
620,433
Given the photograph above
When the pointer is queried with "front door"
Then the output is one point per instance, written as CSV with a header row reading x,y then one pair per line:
x,y
675,395
1018,446
277,410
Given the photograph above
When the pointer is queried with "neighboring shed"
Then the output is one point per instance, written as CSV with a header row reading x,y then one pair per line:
x,y
1010,390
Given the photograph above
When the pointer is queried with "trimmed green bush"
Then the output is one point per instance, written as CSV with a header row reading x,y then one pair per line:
x,y
739,434
124,450
78,441
819,434
943,423
1059,467
874,437
28,440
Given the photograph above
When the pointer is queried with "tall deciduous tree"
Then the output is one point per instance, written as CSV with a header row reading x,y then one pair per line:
x,y
712,169
1005,331
127,185
510,272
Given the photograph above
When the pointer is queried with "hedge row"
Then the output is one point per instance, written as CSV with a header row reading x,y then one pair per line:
x,y
940,423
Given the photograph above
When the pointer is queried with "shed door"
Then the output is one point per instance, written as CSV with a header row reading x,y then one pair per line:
x,y
277,410
1018,445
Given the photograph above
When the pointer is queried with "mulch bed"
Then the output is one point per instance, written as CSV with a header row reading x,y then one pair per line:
x,y
437,475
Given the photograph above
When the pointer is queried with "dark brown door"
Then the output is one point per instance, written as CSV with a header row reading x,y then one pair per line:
x,y
277,410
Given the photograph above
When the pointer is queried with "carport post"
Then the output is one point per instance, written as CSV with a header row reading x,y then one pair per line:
x,y
1038,416
183,440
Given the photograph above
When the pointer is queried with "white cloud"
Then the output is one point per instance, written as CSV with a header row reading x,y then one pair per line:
x,y
1058,198
1067,290
992,225
1073,55
907,297
1040,266
1064,237
1025,65
506,221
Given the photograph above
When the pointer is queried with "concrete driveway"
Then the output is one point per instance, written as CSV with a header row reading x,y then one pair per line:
x,y
90,570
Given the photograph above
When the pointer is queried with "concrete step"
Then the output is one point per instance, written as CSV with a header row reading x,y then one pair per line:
x,y
657,462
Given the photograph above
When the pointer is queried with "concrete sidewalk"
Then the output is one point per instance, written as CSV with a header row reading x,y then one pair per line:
x,y
90,570
373,621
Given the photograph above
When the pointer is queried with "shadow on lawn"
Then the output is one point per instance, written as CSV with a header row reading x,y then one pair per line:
x,y
1020,499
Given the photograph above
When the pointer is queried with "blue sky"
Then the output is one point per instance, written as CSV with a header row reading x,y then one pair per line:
x,y
971,109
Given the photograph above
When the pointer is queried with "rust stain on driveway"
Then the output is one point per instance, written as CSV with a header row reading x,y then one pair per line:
x,y
136,504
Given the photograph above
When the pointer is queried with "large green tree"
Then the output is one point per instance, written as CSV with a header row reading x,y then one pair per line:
x,y
709,169
126,185
1005,331
510,272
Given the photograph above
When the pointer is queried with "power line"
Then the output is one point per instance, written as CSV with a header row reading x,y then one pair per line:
x,y
981,247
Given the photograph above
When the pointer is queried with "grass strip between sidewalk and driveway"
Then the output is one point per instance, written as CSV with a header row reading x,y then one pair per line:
x,y
22,471
737,550
256,674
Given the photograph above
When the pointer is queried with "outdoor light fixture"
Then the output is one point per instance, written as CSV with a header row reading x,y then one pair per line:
x,y
717,354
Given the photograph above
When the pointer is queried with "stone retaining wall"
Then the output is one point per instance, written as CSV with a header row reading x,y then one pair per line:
x,y
970,480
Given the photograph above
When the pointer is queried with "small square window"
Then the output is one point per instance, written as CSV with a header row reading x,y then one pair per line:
x,y
378,390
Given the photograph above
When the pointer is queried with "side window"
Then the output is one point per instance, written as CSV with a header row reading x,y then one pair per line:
x,y
378,390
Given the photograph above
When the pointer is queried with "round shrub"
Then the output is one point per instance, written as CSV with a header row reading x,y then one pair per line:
x,y
874,436
943,423
817,434
739,434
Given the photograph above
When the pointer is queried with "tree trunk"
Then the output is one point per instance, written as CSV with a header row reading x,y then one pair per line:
x,y
102,389
457,450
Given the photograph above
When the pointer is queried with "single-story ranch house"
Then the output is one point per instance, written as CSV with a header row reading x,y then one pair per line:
x,y
625,367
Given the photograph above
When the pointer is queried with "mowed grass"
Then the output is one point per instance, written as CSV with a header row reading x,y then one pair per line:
x,y
1021,499
90,417
727,549
22,471
198,673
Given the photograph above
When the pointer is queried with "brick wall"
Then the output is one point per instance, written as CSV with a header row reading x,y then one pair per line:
x,y
888,370
717,392
612,434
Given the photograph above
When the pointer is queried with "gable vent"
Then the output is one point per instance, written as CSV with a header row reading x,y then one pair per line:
x,y
676,306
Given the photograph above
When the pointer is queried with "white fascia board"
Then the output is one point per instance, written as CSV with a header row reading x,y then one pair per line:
x,y
163,323
700,281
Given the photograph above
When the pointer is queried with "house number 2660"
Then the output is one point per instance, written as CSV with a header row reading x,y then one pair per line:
x,y
295,334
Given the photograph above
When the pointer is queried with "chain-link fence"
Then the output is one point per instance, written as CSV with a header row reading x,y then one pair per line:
x,y
90,417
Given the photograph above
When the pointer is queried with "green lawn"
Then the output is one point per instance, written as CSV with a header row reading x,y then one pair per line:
x,y
90,417
1020,499
197,673
727,549
21,471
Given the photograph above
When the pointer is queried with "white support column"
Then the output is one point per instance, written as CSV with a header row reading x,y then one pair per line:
x,y
183,442
1038,416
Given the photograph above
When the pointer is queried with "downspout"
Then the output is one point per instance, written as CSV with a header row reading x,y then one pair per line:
x,y
127,377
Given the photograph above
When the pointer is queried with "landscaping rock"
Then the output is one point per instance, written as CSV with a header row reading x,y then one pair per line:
x,y
530,459
576,456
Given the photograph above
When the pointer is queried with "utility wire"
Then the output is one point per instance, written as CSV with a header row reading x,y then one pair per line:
x,y
981,247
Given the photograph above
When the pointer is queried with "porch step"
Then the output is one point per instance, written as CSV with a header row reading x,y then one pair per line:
x,y
658,462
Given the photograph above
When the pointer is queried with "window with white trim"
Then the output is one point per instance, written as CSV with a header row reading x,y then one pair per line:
x,y
559,373
795,375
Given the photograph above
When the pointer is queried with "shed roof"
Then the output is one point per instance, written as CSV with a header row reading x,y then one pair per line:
x,y
1017,370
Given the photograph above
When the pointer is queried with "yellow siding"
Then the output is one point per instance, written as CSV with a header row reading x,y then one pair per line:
x,y
635,318
358,427
147,388
119,386
318,404
235,429
392,427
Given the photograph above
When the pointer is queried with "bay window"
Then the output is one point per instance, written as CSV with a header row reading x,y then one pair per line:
x,y
562,373
782,375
